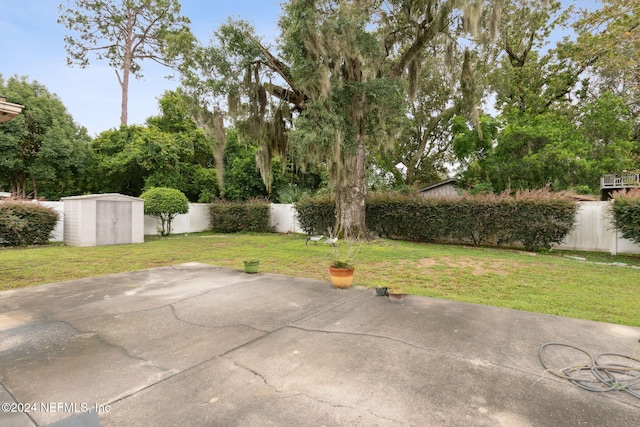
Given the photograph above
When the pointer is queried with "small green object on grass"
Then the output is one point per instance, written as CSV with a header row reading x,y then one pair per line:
x,y
251,266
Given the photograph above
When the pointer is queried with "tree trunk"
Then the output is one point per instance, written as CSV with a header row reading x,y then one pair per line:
x,y
350,196
221,144
19,186
125,99
126,70
35,187
124,86
411,170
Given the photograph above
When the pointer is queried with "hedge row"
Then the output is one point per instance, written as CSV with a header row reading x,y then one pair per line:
x,y
316,215
535,219
626,214
232,217
25,223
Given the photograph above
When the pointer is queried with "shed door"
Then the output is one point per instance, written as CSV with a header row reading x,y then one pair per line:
x,y
113,222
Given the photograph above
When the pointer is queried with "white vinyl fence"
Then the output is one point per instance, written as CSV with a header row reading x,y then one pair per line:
x,y
196,220
57,234
283,220
593,230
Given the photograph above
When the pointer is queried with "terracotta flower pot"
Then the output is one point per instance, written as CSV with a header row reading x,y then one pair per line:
x,y
395,295
341,277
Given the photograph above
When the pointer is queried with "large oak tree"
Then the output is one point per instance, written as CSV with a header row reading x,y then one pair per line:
x,y
342,78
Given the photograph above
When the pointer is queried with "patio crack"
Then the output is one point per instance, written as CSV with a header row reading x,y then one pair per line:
x,y
410,344
362,334
179,319
88,335
263,378
315,399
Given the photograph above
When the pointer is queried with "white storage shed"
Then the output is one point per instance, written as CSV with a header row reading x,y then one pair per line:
x,y
103,219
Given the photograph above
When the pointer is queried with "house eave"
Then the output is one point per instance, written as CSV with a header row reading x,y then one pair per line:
x,y
8,110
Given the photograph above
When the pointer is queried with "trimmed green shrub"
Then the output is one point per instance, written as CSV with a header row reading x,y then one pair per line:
x,y
25,223
404,217
625,211
233,217
535,219
316,215
165,203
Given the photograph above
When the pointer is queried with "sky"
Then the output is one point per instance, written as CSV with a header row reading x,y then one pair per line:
x,y
32,44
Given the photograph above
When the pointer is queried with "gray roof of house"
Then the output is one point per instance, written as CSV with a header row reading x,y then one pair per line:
x,y
438,184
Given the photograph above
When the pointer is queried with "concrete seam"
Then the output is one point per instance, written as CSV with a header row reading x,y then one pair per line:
x,y
266,334
150,308
325,308
537,377
15,400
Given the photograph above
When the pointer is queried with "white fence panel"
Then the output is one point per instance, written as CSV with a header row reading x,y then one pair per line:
x,y
595,232
58,232
284,218
196,220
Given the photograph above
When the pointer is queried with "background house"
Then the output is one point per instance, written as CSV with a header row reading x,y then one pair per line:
x,y
444,188
8,110
612,183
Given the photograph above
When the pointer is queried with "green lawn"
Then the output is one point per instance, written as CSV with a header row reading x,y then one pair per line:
x,y
545,283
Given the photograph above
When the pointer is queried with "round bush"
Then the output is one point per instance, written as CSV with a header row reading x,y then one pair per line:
x,y
25,223
165,203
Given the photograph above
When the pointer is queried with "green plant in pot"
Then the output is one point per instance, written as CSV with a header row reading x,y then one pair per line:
x,y
343,257
381,291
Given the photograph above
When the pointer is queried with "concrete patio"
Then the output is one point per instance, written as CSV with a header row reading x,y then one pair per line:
x,y
199,345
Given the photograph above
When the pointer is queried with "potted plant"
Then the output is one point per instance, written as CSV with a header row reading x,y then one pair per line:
x,y
381,291
396,294
343,256
251,266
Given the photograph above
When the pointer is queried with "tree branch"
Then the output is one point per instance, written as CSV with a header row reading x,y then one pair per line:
x,y
296,98
427,30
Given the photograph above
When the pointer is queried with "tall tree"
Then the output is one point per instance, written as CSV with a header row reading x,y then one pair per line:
x,y
609,43
212,78
339,81
423,147
44,153
528,81
558,130
123,32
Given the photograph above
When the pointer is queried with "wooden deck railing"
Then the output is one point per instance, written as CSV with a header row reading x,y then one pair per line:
x,y
620,181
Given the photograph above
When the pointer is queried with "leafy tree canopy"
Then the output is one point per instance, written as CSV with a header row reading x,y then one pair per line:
x,y
44,152
340,81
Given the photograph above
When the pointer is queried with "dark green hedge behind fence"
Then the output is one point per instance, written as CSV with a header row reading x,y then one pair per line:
x,y
535,219
232,217
316,215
